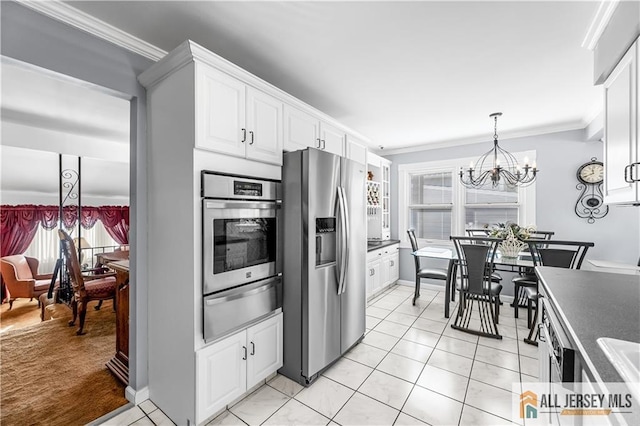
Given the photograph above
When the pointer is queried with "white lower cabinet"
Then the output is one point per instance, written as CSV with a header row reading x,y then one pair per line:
x,y
228,368
382,268
374,282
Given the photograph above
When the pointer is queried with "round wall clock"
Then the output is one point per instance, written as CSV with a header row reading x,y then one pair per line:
x,y
590,202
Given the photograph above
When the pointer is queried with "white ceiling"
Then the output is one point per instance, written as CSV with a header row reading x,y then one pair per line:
x,y
405,74
45,114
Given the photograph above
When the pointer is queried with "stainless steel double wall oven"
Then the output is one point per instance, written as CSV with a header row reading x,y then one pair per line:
x,y
241,252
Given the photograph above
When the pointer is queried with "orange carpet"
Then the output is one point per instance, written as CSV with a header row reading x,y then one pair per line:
x,y
51,376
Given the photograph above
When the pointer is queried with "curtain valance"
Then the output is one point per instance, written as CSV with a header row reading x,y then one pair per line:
x,y
18,224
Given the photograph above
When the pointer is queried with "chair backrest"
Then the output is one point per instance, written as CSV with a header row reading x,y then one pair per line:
x,y
20,267
481,232
475,259
73,265
414,246
560,254
541,235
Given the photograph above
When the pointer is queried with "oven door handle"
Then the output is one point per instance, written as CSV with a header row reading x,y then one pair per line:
x,y
239,294
217,204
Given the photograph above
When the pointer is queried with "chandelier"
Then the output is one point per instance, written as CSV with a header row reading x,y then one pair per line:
x,y
499,166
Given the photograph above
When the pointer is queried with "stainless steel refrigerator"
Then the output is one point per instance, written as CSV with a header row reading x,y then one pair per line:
x,y
324,260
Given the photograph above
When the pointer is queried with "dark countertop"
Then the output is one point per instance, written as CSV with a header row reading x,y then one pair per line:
x,y
593,305
375,245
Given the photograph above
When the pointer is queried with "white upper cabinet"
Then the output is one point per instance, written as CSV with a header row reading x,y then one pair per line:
x,y
332,139
264,127
621,158
356,150
301,130
221,104
236,119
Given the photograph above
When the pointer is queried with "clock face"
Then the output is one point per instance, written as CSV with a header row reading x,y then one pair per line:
x,y
591,173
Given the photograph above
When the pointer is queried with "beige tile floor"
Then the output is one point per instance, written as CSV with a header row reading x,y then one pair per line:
x,y
411,368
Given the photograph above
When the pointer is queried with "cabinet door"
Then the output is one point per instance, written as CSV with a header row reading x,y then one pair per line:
x,y
220,112
394,263
385,269
333,139
620,129
301,130
221,374
264,343
264,127
356,150
374,284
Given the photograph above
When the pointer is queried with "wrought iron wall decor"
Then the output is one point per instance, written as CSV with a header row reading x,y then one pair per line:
x,y
590,203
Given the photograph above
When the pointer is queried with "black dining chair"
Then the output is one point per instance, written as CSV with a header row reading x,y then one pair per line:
x,y
481,232
432,273
527,278
477,290
556,253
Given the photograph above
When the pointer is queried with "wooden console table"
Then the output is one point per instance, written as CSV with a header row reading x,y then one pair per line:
x,y
119,364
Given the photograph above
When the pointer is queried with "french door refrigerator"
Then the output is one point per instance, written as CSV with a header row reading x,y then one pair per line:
x,y
324,260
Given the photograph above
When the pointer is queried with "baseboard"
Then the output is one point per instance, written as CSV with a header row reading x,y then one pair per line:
x,y
136,396
504,298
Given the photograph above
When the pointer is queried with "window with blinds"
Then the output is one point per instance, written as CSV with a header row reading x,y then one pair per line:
x,y
487,206
430,204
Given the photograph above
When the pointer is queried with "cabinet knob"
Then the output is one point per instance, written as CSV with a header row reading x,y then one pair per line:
x,y
244,135
392,263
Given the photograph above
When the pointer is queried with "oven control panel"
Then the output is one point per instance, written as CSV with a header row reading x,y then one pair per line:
x,y
232,187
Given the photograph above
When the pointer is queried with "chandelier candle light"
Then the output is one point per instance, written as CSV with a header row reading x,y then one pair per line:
x,y
503,167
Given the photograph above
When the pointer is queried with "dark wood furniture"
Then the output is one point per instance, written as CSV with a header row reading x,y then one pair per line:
x,y
86,288
112,256
119,364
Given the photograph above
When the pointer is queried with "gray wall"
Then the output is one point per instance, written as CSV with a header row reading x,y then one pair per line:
x,y
33,38
616,236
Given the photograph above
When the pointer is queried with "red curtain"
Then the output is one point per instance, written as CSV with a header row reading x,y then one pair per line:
x,y
18,224
116,221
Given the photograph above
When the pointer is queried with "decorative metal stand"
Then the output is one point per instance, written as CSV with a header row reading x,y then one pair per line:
x,y
69,198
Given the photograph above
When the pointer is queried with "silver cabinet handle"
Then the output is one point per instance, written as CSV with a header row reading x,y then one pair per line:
x,y
392,263
244,135
628,179
251,133
324,146
244,348
633,166
319,143
253,349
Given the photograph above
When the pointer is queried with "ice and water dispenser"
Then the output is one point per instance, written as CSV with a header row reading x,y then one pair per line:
x,y
325,240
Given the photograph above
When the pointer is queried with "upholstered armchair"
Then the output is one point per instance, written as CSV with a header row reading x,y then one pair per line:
x,y
20,275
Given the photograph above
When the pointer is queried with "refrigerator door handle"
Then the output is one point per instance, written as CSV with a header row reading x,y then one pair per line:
x,y
344,236
340,246
347,233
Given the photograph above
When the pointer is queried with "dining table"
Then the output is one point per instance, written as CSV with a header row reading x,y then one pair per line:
x,y
518,264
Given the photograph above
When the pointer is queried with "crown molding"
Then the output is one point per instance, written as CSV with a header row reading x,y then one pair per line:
x,y
71,16
599,23
534,131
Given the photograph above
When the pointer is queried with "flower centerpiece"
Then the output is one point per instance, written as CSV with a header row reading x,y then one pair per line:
x,y
513,236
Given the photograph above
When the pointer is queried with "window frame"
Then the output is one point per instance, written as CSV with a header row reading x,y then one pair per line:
x,y
526,196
